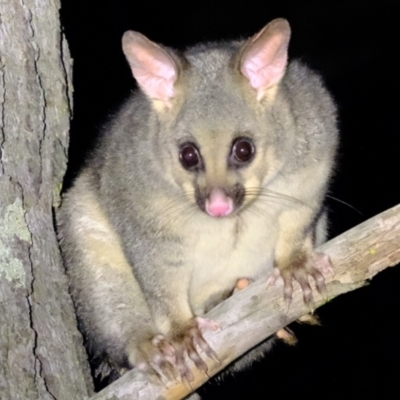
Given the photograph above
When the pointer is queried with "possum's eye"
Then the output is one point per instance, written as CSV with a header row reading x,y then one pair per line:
x,y
189,156
242,152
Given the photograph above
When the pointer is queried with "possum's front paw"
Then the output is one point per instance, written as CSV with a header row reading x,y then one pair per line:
x,y
299,268
167,355
187,341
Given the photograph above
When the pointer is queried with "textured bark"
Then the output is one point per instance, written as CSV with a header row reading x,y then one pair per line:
x,y
41,353
255,313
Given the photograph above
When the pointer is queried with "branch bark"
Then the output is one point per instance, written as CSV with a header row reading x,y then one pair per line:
x,y
255,313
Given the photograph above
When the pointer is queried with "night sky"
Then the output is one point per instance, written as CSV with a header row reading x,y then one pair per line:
x,y
354,45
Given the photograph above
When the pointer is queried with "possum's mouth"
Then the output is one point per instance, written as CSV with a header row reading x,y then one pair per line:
x,y
220,202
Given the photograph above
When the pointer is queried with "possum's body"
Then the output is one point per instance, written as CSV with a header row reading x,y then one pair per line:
x,y
216,171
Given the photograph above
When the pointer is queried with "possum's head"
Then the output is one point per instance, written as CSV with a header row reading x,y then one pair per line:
x,y
214,106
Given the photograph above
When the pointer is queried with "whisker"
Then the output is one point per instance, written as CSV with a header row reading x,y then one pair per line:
x,y
346,204
257,210
175,215
174,201
268,193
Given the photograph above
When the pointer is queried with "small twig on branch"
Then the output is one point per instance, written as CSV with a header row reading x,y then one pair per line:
x,y
255,313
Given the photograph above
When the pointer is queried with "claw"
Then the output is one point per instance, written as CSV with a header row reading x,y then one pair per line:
x,y
323,263
165,347
165,358
287,291
319,281
207,323
183,369
307,295
193,354
316,265
274,278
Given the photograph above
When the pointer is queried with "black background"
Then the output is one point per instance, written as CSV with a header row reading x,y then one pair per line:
x,y
354,45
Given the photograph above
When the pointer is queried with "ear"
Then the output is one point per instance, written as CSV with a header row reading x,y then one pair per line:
x,y
264,59
152,67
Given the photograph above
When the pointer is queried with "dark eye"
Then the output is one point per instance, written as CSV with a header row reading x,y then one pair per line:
x,y
189,156
242,151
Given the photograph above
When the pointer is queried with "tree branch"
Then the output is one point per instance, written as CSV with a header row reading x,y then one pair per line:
x,y
256,312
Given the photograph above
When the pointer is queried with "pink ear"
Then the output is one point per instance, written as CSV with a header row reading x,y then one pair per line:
x,y
153,68
264,60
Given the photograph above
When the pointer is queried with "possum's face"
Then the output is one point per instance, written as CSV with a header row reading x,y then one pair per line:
x,y
214,192
217,140
223,168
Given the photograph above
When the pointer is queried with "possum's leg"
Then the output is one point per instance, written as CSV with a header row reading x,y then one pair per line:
x,y
295,258
109,303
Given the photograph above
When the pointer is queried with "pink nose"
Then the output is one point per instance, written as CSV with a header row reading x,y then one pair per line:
x,y
219,204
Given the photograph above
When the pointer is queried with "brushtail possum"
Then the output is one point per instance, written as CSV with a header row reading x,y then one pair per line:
x,y
215,170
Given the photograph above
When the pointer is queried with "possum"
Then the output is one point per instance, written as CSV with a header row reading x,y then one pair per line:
x,y
214,170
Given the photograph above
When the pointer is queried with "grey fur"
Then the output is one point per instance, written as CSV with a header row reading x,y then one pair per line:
x,y
132,235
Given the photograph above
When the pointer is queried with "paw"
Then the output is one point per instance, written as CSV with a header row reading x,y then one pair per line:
x,y
167,356
300,269
287,336
309,319
187,342
155,356
241,284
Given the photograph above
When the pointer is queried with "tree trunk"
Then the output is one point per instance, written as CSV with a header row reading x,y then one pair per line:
x,y
41,352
